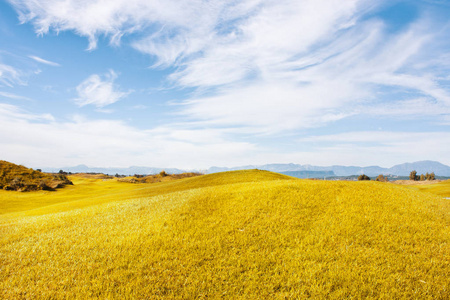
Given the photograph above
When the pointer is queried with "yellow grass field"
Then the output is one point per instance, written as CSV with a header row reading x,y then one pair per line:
x,y
233,235
441,188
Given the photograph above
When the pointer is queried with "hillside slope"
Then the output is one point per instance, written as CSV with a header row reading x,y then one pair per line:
x,y
19,178
90,191
237,235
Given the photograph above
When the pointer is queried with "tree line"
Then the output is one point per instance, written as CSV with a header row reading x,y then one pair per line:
x,y
428,176
412,176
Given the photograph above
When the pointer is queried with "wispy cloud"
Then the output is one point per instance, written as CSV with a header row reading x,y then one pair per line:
x,y
99,92
405,109
44,61
13,112
118,17
9,75
285,64
13,96
263,68
370,147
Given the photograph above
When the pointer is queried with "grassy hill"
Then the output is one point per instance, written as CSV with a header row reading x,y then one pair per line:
x,y
19,178
234,235
161,177
94,190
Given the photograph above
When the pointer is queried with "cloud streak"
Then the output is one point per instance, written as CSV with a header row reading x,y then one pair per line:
x,y
13,96
44,61
9,75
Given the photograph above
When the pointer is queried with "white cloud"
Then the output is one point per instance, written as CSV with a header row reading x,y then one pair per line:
x,y
57,143
99,92
44,61
373,147
406,109
323,85
270,107
276,33
268,67
109,143
13,96
12,112
9,75
118,17
316,48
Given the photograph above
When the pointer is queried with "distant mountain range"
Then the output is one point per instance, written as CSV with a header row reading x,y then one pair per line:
x,y
309,174
421,167
112,171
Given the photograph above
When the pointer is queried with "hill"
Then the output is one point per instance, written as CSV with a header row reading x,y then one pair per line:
x,y
19,178
309,174
234,235
161,177
92,190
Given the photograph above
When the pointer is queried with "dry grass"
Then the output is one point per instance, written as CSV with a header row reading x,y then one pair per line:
x,y
234,235
416,182
92,176
88,191
438,187
157,178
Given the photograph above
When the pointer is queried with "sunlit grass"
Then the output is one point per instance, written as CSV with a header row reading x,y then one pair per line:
x,y
440,188
92,191
235,235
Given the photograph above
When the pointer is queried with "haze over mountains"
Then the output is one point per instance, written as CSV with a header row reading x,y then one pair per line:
x,y
401,169
337,170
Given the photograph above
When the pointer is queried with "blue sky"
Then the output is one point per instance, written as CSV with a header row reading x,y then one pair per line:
x,y
194,84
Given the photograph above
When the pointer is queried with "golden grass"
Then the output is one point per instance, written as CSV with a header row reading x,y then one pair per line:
x,y
157,178
441,188
234,235
416,182
89,191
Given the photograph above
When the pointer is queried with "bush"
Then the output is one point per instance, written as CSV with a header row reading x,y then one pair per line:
x,y
163,173
363,177
381,178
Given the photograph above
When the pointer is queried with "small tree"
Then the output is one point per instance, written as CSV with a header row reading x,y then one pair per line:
x,y
381,178
413,175
163,173
363,177
432,176
422,177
